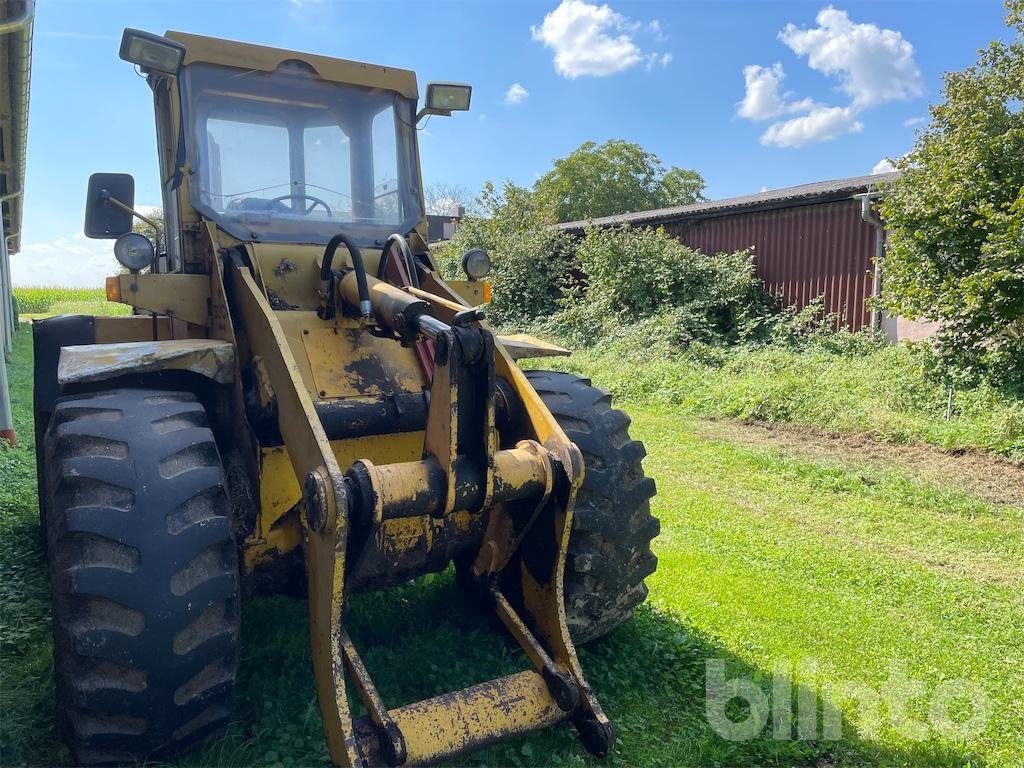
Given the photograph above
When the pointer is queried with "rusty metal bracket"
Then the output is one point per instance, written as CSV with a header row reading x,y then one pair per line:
x,y
460,431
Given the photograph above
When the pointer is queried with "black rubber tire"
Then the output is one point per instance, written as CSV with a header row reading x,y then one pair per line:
x,y
143,576
609,552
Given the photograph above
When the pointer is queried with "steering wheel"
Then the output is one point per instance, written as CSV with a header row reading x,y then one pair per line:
x,y
316,201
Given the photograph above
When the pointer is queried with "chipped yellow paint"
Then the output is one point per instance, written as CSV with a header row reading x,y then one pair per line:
x,y
470,291
213,50
521,346
454,723
350,362
290,273
97,362
113,330
184,297
279,490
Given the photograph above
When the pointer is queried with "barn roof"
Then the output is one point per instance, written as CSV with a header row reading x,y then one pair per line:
x,y
788,197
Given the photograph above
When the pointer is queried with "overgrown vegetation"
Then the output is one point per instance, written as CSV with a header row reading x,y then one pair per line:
x,y
529,275
625,276
956,217
660,323
841,382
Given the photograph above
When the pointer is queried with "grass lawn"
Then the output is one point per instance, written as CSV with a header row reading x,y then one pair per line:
x,y
834,570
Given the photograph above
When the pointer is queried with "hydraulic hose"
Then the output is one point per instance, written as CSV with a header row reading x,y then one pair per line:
x,y
410,262
365,308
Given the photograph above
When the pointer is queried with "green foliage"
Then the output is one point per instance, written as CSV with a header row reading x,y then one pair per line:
x,y
529,259
615,177
57,300
956,217
633,274
37,300
144,228
838,382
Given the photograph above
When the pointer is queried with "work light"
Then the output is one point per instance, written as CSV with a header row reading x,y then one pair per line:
x,y
134,251
448,97
151,51
476,263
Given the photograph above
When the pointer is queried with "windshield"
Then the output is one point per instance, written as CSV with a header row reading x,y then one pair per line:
x,y
285,156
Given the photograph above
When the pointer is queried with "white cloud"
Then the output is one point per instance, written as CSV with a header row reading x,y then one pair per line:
x,y
820,124
883,166
875,65
74,261
515,94
762,99
910,122
593,40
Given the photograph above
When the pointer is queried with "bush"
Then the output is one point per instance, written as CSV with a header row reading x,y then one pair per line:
x,y
626,275
530,260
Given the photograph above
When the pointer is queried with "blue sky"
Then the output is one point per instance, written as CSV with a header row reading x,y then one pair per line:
x,y
752,94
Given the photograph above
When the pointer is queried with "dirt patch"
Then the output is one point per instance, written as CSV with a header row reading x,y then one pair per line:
x,y
976,473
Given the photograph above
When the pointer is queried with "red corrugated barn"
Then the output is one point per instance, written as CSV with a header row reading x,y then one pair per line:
x,y
808,241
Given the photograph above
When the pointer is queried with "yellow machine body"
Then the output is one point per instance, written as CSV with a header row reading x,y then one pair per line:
x,y
368,508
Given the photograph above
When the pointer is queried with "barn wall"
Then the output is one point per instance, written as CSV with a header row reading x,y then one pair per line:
x,y
823,249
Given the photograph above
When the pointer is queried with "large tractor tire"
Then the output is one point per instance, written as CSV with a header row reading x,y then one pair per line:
x,y
610,548
143,575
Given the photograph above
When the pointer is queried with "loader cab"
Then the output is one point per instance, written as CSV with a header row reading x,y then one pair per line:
x,y
275,146
285,156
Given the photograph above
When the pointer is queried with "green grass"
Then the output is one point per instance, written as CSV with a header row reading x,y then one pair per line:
x,y
765,559
883,391
53,300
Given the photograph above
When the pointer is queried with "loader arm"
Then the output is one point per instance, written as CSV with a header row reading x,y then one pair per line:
x,y
525,493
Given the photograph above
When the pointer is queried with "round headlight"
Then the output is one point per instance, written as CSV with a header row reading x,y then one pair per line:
x,y
476,264
134,251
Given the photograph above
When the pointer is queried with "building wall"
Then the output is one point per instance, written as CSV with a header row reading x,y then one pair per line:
x,y
823,249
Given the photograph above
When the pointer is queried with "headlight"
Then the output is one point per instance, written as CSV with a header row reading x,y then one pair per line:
x,y
476,264
134,251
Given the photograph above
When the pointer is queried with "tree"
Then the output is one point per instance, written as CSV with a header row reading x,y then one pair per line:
x,y
143,228
445,199
615,177
681,186
956,217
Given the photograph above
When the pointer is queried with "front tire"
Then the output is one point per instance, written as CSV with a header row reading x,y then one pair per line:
x,y
143,575
609,553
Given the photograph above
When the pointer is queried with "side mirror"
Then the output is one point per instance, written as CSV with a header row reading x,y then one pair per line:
x,y
104,220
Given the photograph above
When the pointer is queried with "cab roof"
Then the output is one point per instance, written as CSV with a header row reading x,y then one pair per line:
x,y
229,53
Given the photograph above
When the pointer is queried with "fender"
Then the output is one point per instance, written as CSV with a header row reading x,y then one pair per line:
x,y
212,359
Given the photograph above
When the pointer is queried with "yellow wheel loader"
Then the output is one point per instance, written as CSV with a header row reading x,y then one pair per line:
x,y
298,386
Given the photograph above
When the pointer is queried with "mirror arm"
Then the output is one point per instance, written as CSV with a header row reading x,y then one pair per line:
x,y
432,111
109,199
